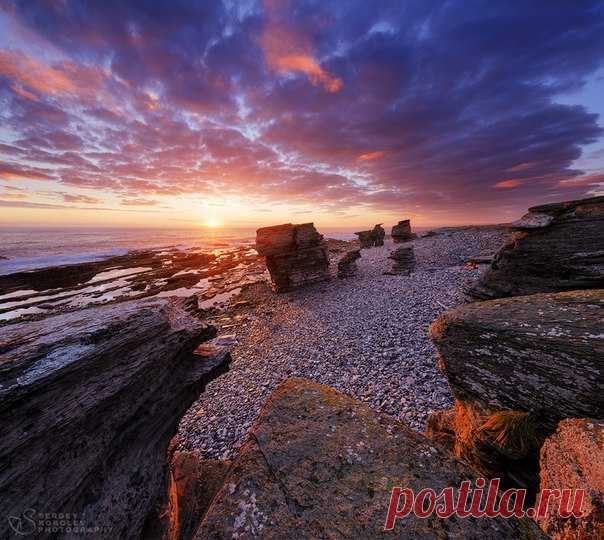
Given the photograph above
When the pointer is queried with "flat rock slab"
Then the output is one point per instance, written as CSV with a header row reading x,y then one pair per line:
x,y
535,353
319,464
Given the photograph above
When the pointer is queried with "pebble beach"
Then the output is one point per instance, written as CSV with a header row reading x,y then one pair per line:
x,y
366,336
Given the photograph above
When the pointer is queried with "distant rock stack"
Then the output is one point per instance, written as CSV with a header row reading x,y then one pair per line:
x,y
365,239
378,235
347,266
404,261
296,255
402,232
372,238
555,247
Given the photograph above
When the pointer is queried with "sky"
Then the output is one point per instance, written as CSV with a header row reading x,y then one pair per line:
x,y
249,113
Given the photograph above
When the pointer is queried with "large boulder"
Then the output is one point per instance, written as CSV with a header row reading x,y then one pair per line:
x,y
517,367
373,238
296,255
555,247
347,265
573,458
404,261
319,464
89,401
401,232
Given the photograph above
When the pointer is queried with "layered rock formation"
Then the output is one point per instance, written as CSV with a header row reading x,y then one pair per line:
x,y
517,367
401,232
573,458
372,238
555,247
319,464
296,255
378,235
347,265
89,401
404,261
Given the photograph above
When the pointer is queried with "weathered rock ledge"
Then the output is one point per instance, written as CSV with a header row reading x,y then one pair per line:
x,y
555,247
296,255
319,464
89,401
517,367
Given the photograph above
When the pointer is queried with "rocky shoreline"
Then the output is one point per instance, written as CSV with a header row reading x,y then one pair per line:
x,y
366,336
198,403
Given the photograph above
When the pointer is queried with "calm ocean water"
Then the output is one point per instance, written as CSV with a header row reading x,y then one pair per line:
x,y
26,249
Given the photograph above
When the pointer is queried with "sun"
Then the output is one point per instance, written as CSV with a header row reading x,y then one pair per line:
x,y
212,223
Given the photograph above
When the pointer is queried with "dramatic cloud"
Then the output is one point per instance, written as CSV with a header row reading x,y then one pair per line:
x,y
448,107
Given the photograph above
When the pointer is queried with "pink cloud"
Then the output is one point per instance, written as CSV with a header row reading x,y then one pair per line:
x,y
508,184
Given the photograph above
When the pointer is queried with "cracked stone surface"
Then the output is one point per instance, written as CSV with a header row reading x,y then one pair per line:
x,y
319,464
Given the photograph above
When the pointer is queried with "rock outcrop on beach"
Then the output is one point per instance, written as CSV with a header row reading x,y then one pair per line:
x,y
573,458
404,261
401,232
89,401
318,464
378,235
555,247
296,255
373,238
347,265
516,367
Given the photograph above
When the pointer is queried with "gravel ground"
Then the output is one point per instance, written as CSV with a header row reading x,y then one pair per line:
x,y
365,336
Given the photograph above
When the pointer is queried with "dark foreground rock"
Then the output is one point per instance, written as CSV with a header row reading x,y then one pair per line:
x,y
89,401
296,255
573,458
517,367
555,247
319,464
404,261
401,232
373,238
347,265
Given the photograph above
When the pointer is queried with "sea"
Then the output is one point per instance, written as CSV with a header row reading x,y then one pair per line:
x,y
34,248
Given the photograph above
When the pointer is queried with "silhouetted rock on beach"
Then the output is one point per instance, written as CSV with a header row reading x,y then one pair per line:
x,y
401,232
373,238
573,458
88,403
347,265
555,247
296,255
517,367
318,464
404,261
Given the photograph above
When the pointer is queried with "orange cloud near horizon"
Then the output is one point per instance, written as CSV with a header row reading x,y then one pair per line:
x,y
508,184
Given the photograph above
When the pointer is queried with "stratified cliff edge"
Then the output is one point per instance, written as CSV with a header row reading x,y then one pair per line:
x,y
554,247
89,401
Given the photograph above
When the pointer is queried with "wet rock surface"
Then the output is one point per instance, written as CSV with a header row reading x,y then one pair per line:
x,y
573,458
517,367
366,337
555,247
211,275
296,255
319,464
88,404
